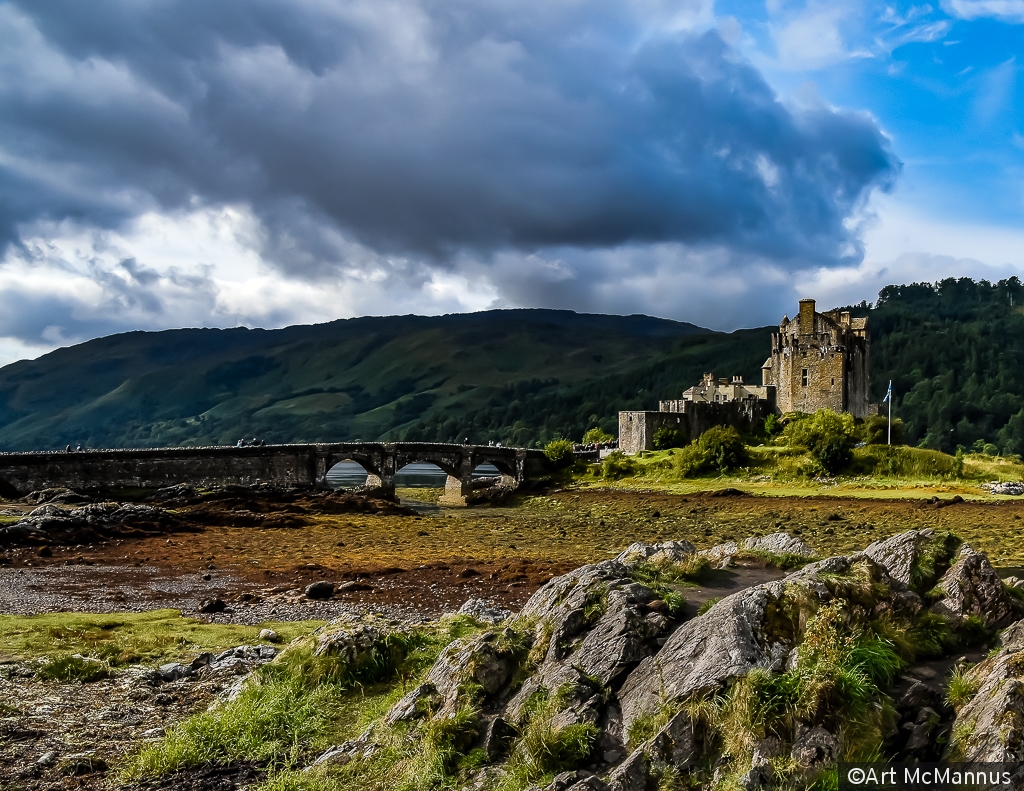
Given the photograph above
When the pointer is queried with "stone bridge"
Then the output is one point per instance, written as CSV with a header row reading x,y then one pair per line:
x,y
285,465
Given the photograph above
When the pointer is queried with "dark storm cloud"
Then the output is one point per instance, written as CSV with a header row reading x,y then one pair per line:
x,y
431,128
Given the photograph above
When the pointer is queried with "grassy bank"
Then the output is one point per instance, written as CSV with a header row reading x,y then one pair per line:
x,y
127,638
873,470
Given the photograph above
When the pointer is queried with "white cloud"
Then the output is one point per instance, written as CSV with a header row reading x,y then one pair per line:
x,y
201,268
1005,10
905,246
812,38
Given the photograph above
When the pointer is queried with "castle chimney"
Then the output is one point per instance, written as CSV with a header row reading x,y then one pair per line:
x,y
806,316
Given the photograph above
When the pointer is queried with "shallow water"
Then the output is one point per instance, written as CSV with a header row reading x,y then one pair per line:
x,y
349,475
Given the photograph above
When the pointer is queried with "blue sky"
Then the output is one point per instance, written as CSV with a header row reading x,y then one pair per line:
x,y
942,81
269,162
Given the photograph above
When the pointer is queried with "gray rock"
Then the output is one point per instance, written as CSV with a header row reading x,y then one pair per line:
x,y
201,661
701,655
676,743
987,727
631,774
498,735
720,556
320,590
173,671
269,636
665,552
350,586
780,544
351,640
577,780
1015,488
972,587
920,736
484,611
897,554
485,659
815,748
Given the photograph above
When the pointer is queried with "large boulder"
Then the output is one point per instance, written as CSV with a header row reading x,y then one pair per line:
x,y
780,544
724,643
914,559
971,587
665,552
898,554
990,726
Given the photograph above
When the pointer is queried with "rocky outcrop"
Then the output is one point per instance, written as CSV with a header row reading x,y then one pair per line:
x,y
915,559
780,544
768,687
484,611
703,654
52,524
989,727
971,587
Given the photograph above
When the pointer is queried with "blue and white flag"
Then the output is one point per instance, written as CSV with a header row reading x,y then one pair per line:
x,y
888,393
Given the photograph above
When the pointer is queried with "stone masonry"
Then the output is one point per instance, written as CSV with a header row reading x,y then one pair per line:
x,y
820,361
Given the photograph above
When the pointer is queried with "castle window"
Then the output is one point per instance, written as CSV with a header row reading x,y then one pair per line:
x,y
803,377
833,381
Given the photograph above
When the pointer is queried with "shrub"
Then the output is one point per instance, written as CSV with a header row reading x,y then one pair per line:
x,y
723,447
826,435
709,604
958,463
665,438
719,448
595,436
617,465
875,430
559,452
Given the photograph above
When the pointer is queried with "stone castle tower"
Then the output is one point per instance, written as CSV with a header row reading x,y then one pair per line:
x,y
820,361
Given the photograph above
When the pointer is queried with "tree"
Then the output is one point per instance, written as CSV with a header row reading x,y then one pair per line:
x,y
595,436
719,448
723,448
559,452
875,430
826,435
665,438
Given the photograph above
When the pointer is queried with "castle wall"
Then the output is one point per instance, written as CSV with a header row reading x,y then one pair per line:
x,y
637,429
820,361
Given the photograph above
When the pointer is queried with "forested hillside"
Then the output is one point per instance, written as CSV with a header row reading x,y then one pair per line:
x,y
511,375
955,351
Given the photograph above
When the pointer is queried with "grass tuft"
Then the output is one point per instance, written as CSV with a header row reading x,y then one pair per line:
x,y
961,687
73,667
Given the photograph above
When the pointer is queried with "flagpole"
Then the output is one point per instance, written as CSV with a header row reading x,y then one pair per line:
x,y
890,412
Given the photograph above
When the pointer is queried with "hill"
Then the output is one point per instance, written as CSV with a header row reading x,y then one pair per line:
x,y
955,353
954,350
519,376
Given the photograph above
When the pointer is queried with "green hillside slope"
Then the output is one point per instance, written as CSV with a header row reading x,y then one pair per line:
x,y
955,351
515,375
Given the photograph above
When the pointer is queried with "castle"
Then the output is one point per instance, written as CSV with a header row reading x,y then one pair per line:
x,y
818,361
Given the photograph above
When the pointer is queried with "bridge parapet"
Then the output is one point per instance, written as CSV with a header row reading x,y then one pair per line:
x,y
286,465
